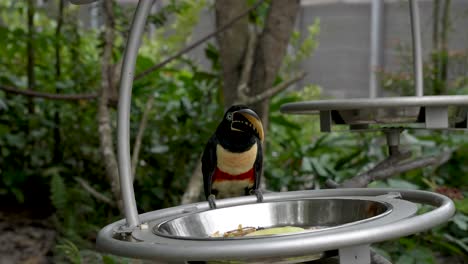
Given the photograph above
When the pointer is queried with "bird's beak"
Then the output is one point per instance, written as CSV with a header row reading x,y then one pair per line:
x,y
248,121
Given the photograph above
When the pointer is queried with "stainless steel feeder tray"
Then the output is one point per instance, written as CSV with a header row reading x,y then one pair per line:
x,y
355,218
313,215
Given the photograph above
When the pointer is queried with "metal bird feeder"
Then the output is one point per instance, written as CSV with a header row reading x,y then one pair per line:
x,y
338,223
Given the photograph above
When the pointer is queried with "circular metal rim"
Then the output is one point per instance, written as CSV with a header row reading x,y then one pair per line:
x,y
296,245
311,107
159,222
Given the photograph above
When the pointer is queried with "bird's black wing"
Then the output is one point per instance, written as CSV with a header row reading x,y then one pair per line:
x,y
209,163
258,165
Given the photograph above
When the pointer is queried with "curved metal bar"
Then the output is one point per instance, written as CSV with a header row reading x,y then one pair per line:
x,y
166,249
123,124
417,53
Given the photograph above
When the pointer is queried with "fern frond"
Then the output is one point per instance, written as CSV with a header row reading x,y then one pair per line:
x,y
58,193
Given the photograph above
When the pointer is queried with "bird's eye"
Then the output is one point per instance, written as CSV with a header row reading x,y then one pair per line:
x,y
229,116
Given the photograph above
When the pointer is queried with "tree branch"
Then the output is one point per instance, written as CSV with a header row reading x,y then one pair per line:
x,y
105,130
360,179
194,187
253,99
389,168
52,96
96,194
248,62
139,137
197,43
390,161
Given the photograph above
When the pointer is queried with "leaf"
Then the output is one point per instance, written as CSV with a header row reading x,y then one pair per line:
x,y
459,242
159,149
55,170
212,53
319,169
422,255
306,164
3,105
17,140
281,120
19,195
108,260
71,251
58,192
461,221
405,259
462,205
442,243
401,184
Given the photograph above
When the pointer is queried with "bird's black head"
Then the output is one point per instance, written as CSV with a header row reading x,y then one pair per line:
x,y
241,121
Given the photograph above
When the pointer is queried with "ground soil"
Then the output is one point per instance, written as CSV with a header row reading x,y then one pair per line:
x,y
26,236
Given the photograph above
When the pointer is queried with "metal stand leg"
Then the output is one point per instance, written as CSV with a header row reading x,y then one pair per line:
x,y
123,124
355,255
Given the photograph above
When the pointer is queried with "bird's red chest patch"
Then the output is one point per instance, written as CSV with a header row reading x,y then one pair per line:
x,y
220,175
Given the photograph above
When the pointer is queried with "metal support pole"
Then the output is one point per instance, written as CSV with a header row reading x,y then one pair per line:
x,y
393,140
417,55
377,8
359,254
123,124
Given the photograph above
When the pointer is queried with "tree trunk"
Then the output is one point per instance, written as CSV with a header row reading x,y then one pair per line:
x,y
105,129
270,51
57,156
232,45
30,52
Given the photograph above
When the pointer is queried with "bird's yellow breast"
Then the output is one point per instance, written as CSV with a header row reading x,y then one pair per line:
x,y
236,163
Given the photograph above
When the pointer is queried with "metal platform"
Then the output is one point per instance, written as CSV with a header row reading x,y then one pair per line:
x,y
352,220
430,112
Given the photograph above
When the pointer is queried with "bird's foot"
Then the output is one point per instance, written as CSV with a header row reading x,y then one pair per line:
x,y
259,195
212,201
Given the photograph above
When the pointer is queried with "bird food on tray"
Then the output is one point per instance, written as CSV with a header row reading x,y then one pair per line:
x,y
260,231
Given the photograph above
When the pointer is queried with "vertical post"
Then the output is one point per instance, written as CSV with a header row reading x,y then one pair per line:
x,y
436,116
325,121
417,55
123,124
376,33
359,254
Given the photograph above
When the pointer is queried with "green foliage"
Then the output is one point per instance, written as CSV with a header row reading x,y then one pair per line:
x,y
70,251
401,82
175,32
415,254
171,145
185,112
258,15
184,115
58,193
301,47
